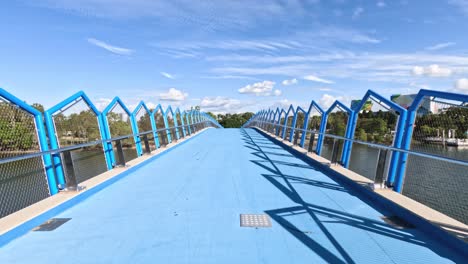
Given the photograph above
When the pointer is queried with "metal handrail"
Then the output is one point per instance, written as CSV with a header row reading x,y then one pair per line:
x,y
374,145
87,144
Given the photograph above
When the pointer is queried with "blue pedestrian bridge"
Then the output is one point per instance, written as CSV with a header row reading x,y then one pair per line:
x,y
380,181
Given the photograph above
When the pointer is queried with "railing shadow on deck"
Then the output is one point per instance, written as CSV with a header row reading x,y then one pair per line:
x,y
314,211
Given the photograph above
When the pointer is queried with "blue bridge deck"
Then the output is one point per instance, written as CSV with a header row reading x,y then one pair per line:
x,y
184,207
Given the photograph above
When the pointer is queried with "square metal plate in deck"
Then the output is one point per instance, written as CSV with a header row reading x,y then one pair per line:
x,y
397,222
255,220
51,224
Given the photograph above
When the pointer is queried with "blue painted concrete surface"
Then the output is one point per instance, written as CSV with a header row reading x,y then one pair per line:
x,y
184,208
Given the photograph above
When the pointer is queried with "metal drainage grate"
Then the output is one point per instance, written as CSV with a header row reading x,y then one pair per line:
x,y
255,220
51,224
397,222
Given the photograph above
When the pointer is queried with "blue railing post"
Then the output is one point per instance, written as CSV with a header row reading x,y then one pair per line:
x,y
347,145
323,127
54,145
155,133
155,127
187,117
293,126
136,131
49,168
304,127
168,130
399,138
105,145
108,149
182,122
291,108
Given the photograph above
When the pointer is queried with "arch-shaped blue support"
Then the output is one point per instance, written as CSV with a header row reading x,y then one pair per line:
x,y
116,101
336,104
290,109
398,134
185,117
177,111
41,135
278,114
279,121
265,119
142,105
153,113
409,127
53,141
296,113
169,133
312,105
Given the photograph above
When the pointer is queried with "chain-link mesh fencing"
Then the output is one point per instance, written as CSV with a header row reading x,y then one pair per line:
x,y
336,125
376,123
296,138
120,125
77,124
179,124
441,128
289,122
171,124
22,182
143,119
159,120
313,125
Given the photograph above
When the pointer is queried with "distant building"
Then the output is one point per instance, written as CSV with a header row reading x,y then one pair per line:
x,y
405,101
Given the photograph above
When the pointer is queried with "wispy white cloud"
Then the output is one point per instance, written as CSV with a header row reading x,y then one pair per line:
x,y
230,77
317,79
433,70
264,88
323,36
173,95
327,100
376,67
167,75
381,4
286,70
111,48
202,15
290,82
462,5
357,12
220,104
281,104
419,86
325,89
441,46
102,103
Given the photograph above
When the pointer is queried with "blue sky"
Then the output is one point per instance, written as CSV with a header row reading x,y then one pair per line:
x,y
231,56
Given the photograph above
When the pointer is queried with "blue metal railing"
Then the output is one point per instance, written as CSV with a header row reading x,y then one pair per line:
x,y
402,138
50,149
